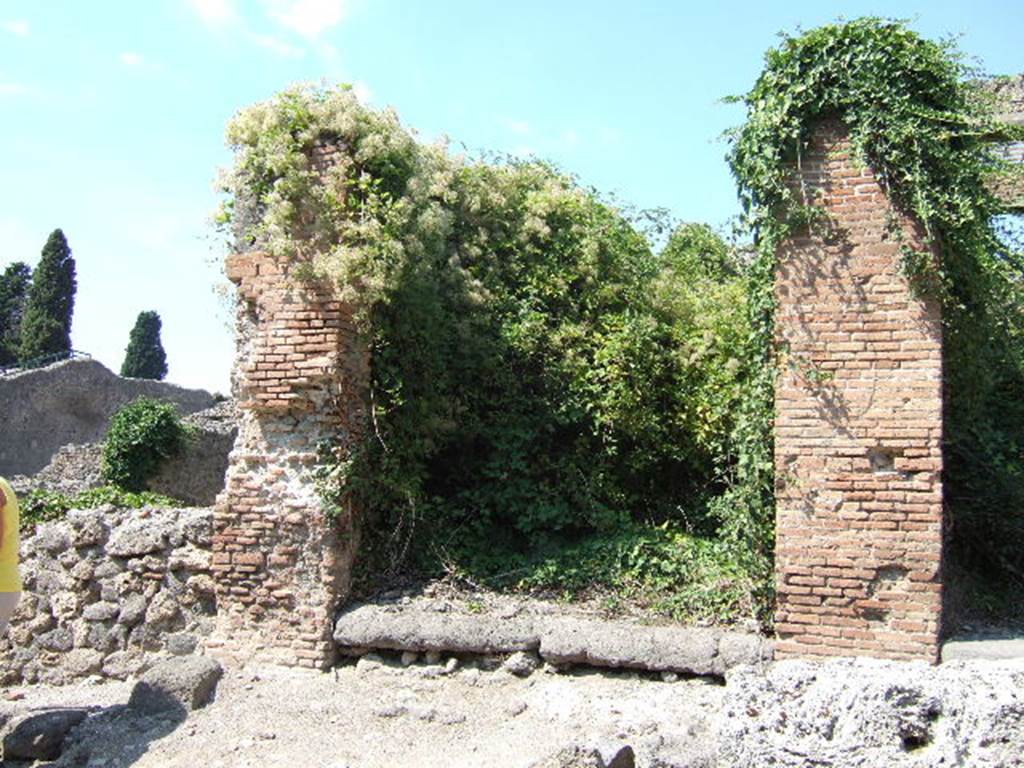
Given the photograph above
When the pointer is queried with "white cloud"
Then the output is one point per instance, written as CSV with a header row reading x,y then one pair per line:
x,y
214,11
130,59
310,18
17,27
12,89
279,47
570,137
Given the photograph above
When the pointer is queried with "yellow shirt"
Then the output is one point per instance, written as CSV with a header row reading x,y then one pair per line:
x,y
10,580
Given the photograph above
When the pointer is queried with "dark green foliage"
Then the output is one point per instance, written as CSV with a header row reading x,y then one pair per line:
x,y
142,435
42,506
46,324
916,119
549,389
145,358
14,285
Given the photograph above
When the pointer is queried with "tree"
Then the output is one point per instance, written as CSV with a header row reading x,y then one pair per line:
x,y
14,285
145,358
46,324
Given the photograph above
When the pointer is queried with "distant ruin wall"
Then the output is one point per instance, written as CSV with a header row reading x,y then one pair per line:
x,y
71,402
1010,105
858,453
301,378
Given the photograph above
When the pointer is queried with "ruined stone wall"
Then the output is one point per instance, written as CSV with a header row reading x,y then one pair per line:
x,y
108,592
301,377
858,430
71,402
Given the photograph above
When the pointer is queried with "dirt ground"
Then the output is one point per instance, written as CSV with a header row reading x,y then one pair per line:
x,y
379,713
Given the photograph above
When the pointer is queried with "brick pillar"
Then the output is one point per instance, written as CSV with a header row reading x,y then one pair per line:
x,y
858,454
280,564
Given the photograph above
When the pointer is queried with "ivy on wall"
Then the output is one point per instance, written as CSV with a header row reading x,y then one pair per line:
x,y
917,116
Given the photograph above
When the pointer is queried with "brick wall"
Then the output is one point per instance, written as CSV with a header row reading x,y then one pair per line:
x,y
859,424
280,564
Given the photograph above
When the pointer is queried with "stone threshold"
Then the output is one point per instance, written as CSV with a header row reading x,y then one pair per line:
x,y
557,639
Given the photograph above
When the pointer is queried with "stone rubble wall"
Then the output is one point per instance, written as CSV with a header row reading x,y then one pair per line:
x,y
109,592
196,475
858,431
71,402
73,469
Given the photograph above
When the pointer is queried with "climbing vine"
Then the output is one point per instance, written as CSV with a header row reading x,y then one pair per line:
x,y
917,117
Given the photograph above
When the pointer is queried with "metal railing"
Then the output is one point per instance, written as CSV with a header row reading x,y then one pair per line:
x,y
40,362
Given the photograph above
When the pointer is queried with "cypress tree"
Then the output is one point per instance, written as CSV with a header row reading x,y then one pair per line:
x,y
46,324
14,284
145,358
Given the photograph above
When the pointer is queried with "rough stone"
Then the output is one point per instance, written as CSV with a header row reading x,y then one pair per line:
x,y
580,756
181,644
81,662
179,684
196,527
133,610
521,664
138,538
100,611
163,610
59,639
866,712
40,736
189,558
122,664
52,537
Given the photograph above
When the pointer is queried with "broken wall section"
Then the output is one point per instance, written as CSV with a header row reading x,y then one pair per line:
x,y
858,431
281,564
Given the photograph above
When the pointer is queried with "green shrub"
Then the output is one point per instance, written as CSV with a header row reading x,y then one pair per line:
x,y
42,506
142,435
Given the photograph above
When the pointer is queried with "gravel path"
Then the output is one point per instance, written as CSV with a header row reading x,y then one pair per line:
x,y
379,713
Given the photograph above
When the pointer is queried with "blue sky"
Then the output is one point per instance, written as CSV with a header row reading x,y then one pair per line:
x,y
112,116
